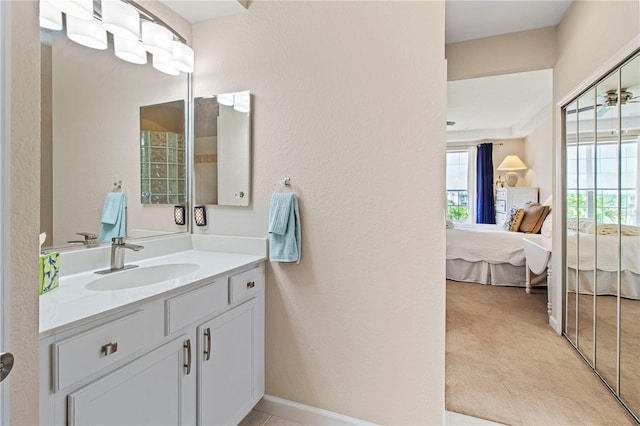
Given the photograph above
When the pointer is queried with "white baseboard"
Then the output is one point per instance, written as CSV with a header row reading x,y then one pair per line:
x,y
304,414
555,325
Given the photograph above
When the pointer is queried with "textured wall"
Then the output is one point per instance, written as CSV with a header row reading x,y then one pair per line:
x,y
349,102
24,216
503,54
538,152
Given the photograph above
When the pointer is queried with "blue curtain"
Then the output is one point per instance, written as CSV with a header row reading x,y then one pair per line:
x,y
486,211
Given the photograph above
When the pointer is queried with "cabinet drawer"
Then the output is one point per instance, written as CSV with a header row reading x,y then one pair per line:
x,y
190,307
245,284
88,352
501,194
501,206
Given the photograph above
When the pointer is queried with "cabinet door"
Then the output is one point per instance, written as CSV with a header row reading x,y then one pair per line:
x,y
147,391
226,369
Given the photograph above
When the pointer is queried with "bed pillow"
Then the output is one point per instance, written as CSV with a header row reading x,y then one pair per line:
x,y
534,216
546,227
513,220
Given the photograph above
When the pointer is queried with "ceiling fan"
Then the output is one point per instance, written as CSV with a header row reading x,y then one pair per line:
x,y
610,99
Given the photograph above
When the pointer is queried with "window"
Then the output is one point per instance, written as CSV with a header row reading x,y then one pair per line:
x,y
589,192
457,186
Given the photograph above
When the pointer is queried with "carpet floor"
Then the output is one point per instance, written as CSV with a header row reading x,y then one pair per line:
x,y
505,364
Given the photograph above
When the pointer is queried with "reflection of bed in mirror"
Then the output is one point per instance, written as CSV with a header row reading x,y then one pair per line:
x,y
608,260
487,254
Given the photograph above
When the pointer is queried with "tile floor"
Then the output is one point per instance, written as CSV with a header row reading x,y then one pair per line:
x,y
257,418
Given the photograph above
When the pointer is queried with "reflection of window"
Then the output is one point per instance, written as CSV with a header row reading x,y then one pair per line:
x,y
592,181
457,186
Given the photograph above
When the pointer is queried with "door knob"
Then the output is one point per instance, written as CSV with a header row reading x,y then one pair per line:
x,y
6,364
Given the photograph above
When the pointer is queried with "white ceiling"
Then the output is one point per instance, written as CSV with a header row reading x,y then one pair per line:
x,y
468,20
498,107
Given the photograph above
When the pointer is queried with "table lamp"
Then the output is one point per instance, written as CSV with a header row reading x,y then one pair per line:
x,y
510,164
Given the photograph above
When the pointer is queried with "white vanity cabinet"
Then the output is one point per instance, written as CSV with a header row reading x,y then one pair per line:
x,y
191,357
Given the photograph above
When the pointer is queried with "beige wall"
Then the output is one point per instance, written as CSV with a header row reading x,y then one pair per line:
x,y
358,326
585,41
503,54
538,155
25,195
46,146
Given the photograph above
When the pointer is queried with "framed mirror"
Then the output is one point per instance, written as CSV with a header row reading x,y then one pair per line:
x,y
222,149
91,135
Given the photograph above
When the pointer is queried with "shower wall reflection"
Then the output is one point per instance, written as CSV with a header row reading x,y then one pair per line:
x,y
602,232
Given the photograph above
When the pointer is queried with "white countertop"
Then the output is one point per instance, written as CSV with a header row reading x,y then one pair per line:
x,y
71,302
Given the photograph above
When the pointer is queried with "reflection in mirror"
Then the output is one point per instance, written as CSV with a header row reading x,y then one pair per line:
x,y
629,241
606,216
162,154
571,190
91,127
585,184
222,147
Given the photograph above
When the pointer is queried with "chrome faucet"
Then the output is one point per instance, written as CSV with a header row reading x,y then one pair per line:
x,y
117,253
90,240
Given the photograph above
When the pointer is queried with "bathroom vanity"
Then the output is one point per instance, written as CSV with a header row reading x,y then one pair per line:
x,y
184,350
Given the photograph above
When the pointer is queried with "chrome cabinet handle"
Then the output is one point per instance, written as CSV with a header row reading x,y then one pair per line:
x,y
207,351
251,284
187,365
109,348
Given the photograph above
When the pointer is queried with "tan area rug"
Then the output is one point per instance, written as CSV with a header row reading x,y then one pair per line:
x,y
505,364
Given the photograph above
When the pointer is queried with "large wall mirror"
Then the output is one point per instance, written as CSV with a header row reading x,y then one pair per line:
x,y
602,261
91,139
222,149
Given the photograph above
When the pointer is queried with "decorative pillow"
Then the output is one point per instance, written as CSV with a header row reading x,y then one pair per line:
x,y
508,222
517,220
534,216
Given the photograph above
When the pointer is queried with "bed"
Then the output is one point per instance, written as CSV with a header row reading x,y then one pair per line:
x,y
580,257
487,254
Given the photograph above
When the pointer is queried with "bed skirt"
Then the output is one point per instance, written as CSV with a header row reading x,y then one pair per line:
x,y
486,273
607,283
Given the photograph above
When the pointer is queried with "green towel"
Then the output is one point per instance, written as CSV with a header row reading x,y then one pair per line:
x,y
49,271
284,228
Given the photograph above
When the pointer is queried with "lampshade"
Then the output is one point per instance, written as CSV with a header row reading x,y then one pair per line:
x,y
182,58
50,17
120,19
81,9
512,162
241,102
129,50
225,99
87,33
157,40
161,63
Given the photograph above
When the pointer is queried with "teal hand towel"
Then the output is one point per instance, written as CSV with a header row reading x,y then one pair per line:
x,y
114,217
284,228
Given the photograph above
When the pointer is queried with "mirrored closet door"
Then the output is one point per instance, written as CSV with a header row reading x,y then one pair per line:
x,y
602,229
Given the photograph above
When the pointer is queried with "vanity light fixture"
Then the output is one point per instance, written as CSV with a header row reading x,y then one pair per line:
x,y
80,9
200,215
87,33
225,99
157,39
129,50
161,63
179,215
182,58
120,19
241,102
50,17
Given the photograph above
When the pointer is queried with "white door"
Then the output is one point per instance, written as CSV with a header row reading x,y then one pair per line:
x,y
6,359
225,366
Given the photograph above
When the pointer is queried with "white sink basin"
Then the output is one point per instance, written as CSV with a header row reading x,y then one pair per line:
x,y
139,277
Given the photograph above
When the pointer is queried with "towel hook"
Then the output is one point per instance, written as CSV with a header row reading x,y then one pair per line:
x,y
117,186
286,181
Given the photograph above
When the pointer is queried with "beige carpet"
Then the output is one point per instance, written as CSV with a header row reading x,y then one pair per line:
x,y
505,364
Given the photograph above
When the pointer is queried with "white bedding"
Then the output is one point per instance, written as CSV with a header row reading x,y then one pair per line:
x,y
486,243
607,252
